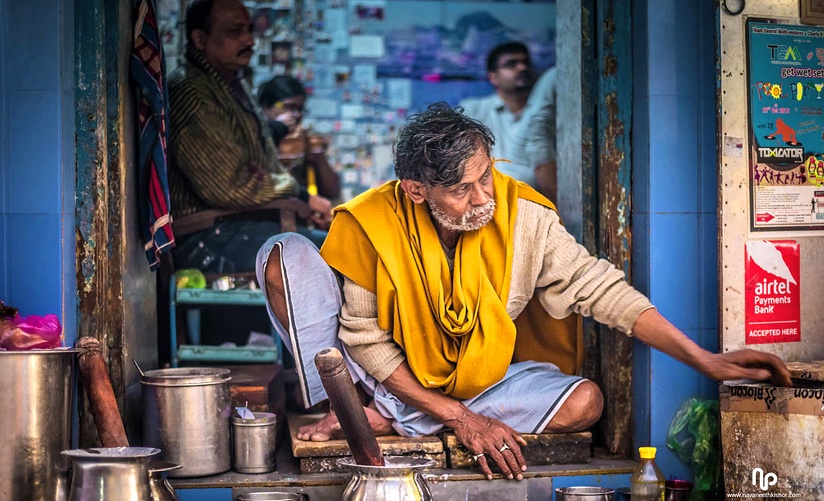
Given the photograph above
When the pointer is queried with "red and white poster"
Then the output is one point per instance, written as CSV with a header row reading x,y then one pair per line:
x,y
771,292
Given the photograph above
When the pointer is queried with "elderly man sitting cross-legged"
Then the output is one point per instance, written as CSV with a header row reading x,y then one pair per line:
x,y
460,294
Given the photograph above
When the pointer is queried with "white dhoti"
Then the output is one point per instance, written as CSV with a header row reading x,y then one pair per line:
x,y
526,399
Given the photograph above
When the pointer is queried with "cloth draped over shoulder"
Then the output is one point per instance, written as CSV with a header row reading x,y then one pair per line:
x,y
453,326
148,71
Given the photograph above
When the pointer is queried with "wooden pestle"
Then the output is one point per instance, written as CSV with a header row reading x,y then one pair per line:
x,y
343,397
99,391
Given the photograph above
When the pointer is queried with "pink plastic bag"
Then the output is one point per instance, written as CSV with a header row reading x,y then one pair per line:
x,y
30,333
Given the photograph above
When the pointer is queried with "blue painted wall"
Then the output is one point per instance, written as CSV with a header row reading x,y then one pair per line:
x,y
37,158
674,216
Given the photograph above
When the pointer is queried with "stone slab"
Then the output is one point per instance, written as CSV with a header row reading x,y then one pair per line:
x,y
541,449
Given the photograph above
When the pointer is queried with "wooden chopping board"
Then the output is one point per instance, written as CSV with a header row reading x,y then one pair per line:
x,y
317,457
390,444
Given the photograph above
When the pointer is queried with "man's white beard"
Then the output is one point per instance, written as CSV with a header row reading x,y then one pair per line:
x,y
464,222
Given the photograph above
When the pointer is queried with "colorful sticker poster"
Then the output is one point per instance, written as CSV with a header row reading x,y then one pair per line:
x,y
400,92
367,46
368,10
281,52
324,53
772,284
263,19
786,106
365,75
322,107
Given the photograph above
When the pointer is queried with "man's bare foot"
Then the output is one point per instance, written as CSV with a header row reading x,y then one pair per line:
x,y
328,427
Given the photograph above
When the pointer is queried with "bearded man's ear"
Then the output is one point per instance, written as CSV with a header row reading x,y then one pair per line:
x,y
414,190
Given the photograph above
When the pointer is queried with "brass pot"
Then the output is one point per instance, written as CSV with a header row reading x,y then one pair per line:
x,y
399,479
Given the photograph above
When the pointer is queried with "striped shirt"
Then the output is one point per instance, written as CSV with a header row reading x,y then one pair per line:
x,y
222,154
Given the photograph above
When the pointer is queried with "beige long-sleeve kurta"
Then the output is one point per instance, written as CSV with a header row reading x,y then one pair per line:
x,y
547,261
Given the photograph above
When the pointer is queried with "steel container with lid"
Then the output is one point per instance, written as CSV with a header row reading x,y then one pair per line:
x,y
186,415
254,443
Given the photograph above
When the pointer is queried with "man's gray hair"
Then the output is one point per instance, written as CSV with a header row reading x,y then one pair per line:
x,y
434,145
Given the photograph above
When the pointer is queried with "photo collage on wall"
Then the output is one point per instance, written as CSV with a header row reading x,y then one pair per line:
x,y
368,64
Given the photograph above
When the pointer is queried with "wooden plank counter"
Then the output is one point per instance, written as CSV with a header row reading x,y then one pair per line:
x,y
320,457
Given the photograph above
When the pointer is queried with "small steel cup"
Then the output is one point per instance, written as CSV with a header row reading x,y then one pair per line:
x,y
254,443
677,490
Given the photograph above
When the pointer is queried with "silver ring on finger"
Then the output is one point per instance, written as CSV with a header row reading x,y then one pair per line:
x,y
476,457
504,447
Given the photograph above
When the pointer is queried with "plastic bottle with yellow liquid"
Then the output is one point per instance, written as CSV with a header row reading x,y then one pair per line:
x,y
647,481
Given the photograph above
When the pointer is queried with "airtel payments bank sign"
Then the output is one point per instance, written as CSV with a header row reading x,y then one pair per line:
x,y
771,292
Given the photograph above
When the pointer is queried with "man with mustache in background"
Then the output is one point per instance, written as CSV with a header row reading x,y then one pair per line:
x,y
521,116
222,153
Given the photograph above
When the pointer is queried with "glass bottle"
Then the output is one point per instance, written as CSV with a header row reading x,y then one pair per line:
x,y
647,481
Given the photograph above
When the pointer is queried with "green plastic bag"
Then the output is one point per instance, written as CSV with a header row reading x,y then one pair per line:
x,y
190,278
694,437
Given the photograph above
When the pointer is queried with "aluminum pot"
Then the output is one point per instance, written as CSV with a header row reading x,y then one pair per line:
x,y
186,415
110,474
399,479
38,388
584,494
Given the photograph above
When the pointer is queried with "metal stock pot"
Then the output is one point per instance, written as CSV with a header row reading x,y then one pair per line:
x,y
37,421
186,415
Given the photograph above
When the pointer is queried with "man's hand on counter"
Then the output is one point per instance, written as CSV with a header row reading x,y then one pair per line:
x,y
746,364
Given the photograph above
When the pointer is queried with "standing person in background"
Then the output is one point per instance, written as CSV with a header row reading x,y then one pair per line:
x,y
223,156
523,124
283,99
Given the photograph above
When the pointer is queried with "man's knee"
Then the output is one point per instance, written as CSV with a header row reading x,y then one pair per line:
x,y
590,401
581,409
270,257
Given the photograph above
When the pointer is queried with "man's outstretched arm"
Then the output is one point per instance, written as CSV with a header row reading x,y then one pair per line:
x,y
653,329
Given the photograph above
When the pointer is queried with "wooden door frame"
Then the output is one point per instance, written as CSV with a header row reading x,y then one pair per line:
x,y
594,179
115,289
